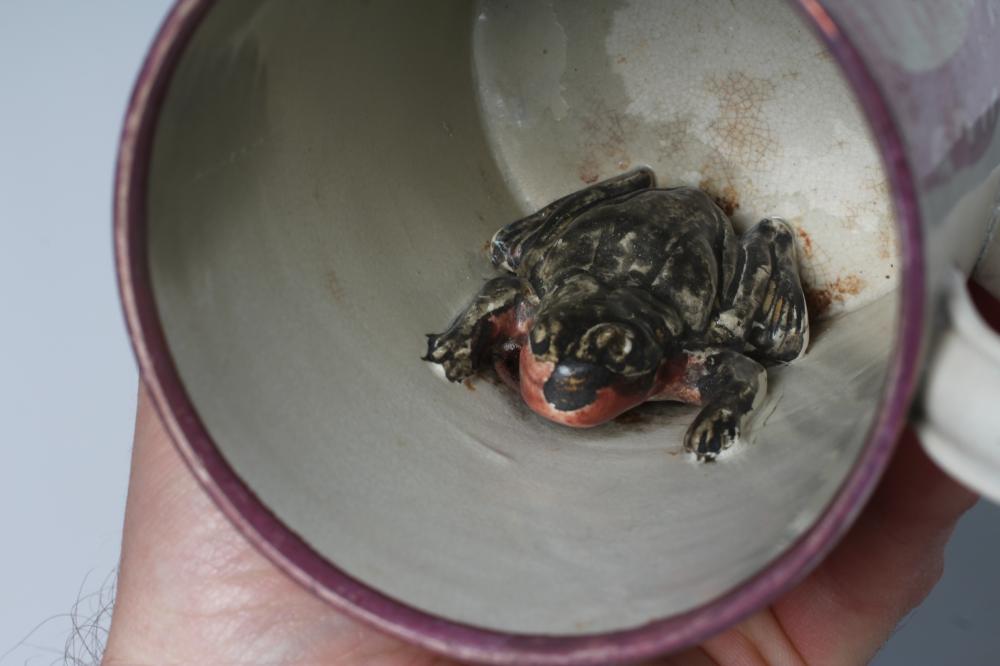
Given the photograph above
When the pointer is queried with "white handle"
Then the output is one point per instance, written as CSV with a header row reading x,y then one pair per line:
x,y
961,399
987,268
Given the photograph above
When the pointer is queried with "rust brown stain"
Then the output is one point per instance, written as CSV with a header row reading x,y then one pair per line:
x,y
819,300
886,244
588,171
333,286
742,131
469,385
850,285
621,60
725,196
807,243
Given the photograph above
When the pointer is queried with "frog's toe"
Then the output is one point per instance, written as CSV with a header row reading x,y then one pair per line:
x,y
713,431
782,333
453,354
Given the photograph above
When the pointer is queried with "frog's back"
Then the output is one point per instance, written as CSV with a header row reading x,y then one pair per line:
x,y
668,242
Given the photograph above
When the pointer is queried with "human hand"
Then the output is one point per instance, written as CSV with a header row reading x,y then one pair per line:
x,y
192,590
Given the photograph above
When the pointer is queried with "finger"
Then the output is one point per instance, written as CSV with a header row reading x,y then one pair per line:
x,y
887,564
191,589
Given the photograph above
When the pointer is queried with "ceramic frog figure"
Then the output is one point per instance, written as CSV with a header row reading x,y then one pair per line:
x,y
624,292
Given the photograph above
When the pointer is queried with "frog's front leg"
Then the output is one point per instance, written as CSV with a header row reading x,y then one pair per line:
x,y
728,386
502,309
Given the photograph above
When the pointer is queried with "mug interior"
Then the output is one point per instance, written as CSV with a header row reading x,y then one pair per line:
x,y
324,179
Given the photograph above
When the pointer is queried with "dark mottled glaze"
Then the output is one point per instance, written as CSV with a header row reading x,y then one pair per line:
x,y
622,293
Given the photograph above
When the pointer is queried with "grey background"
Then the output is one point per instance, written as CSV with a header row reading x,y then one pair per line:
x,y
68,379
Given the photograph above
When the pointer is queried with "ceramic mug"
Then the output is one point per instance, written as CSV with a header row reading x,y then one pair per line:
x,y
304,190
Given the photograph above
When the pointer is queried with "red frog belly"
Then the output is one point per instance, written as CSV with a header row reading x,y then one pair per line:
x,y
609,401
519,369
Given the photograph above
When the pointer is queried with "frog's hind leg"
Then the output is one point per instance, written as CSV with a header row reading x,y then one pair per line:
x,y
501,310
512,242
764,312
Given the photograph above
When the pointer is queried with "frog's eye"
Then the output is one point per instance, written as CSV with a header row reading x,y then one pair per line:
x,y
609,344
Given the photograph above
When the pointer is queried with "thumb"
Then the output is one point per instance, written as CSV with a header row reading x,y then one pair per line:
x,y
191,589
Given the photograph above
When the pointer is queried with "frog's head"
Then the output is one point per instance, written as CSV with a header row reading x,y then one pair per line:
x,y
589,359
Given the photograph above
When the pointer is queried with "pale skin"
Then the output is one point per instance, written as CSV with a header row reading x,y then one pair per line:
x,y
192,590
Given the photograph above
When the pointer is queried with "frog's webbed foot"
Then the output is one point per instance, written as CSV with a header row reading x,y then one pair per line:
x,y
730,387
713,431
455,352
499,311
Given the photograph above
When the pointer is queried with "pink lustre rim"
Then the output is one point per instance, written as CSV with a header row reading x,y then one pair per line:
x,y
294,556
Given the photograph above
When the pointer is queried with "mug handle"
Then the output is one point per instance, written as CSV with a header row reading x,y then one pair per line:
x,y
960,422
